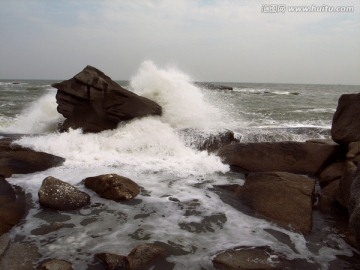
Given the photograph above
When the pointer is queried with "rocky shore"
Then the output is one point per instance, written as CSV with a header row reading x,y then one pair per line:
x,y
284,181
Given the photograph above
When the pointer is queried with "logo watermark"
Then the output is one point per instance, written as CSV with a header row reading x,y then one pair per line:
x,y
281,8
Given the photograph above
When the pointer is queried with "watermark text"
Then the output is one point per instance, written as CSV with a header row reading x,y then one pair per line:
x,y
282,8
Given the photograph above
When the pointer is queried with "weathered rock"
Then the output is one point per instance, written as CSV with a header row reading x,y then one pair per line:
x,y
205,141
294,157
113,187
93,102
12,205
257,258
345,183
331,173
60,195
55,264
346,121
143,255
328,197
354,206
283,198
353,153
15,159
4,244
113,261
19,257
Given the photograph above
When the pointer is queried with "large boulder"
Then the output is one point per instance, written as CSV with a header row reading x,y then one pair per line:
x,y
60,195
294,157
94,102
15,159
283,198
354,206
12,205
346,121
113,187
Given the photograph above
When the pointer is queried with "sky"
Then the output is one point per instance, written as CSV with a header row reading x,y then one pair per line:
x,y
224,40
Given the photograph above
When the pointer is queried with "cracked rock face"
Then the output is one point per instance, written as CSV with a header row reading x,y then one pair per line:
x,y
60,195
93,102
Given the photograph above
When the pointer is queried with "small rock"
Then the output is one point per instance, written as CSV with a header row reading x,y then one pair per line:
x,y
113,261
59,195
56,264
144,255
113,187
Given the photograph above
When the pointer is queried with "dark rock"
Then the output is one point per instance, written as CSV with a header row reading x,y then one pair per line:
x,y
346,121
345,183
353,153
19,257
257,258
93,102
143,255
283,198
205,141
55,264
332,172
12,205
213,86
294,157
59,195
15,159
354,206
113,261
328,197
113,187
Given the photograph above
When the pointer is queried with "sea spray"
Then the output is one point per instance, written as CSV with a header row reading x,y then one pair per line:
x,y
40,116
183,103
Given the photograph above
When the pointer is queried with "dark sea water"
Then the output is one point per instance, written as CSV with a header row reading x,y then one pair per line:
x,y
177,205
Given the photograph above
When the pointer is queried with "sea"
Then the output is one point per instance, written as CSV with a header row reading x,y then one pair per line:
x,y
178,206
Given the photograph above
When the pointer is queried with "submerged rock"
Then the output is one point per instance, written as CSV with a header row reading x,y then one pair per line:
x,y
205,141
257,258
346,121
12,205
15,159
93,102
113,187
60,195
55,264
294,157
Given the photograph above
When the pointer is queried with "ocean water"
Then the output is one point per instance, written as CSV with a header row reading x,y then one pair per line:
x,y
177,205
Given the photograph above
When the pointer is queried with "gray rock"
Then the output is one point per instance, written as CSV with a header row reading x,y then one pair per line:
x,y
60,195
4,244
113,187
19,257
354,206
94,102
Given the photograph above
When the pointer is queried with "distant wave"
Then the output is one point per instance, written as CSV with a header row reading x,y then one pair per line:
x,y
263,91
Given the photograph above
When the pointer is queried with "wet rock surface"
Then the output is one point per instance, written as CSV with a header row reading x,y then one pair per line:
x,y
93,102
60,195
113,261
15,159
19,257
12,205
113,187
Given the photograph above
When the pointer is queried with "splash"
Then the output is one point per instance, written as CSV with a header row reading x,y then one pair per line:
x,y
183,103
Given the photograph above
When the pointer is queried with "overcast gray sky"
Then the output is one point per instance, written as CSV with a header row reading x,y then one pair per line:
x,y
209,40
